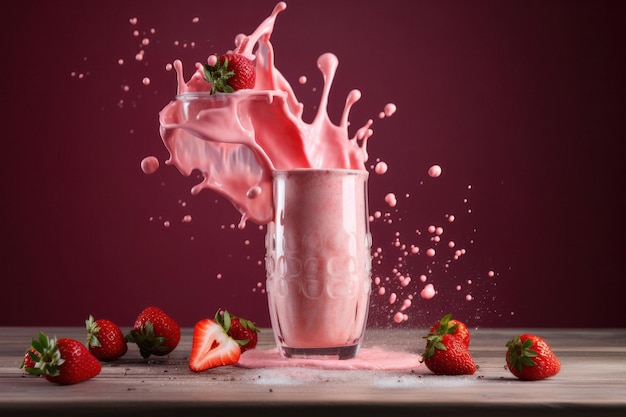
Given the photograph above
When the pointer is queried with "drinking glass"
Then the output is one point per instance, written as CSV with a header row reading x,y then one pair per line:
x,y
318,262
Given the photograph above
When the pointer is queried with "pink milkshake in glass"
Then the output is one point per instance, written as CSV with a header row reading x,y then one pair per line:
x,y
319,262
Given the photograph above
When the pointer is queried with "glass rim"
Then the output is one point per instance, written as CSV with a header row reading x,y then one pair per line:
x,y
204,95
290,171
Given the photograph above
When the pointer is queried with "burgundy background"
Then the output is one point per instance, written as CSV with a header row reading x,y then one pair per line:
x,y
522,100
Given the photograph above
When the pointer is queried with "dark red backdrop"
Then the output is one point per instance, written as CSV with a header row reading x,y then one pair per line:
x,y
522,100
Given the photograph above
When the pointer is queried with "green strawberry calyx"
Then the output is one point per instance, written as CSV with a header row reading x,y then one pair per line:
x,y
146,340
433,343
445,327
218,76
46,356
92,332
434,339
520,353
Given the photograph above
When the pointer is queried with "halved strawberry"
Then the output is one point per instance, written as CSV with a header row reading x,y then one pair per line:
x,y
211,347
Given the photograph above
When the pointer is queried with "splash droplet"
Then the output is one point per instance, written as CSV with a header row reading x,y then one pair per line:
x,y
149,164
434,171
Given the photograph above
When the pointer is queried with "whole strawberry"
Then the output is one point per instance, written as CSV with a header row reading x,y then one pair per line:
x,y
63,361
447,349
105,339
230,73
243,331
154,332
530,358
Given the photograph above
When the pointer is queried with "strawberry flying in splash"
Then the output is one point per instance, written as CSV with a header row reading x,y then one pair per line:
x,y
229,73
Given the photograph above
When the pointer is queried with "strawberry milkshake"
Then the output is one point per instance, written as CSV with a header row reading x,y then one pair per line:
x,y
306,181
319,262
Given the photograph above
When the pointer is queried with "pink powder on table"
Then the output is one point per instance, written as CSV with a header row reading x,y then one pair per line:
x,y
367,359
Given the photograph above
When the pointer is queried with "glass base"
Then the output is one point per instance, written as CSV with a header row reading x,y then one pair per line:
x,y
339,352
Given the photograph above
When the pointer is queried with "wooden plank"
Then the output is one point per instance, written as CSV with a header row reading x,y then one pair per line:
x,y
592,382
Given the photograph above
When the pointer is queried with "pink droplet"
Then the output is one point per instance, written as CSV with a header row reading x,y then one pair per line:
x,y
390,199
428,292
434,171
390,109
392,298
398,317
149,164
146,81
302,79
430,252
381,168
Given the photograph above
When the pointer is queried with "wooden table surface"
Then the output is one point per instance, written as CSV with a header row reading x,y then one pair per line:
x,y
592,382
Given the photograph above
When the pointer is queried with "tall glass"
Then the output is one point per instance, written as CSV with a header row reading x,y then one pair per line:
x,y
318,262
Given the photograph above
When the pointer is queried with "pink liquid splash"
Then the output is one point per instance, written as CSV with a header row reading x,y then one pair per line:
x,y
236,140
411,270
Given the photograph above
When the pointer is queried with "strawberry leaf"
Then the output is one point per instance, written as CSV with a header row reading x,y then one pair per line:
x,y
218,76
146,340
223,319
92,332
